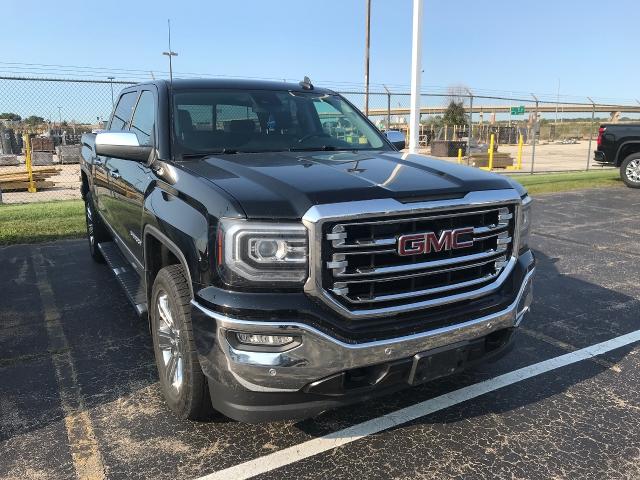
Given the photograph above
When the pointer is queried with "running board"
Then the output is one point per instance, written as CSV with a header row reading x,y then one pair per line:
x,y
128,278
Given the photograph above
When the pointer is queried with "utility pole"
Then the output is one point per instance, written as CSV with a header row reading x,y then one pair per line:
x,y
416,60
388,107
593,119
170,54
111,83
557,105
367,42
535,128
470,121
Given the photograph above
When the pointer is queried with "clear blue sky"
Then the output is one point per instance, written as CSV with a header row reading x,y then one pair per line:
x,y
589,45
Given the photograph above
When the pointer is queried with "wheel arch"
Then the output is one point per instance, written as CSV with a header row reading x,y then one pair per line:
x,y
152,234
625,149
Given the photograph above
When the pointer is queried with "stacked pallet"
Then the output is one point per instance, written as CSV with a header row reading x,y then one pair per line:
x,y
500,160
18,179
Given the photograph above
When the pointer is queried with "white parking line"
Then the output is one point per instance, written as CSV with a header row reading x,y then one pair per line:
x,y
333,440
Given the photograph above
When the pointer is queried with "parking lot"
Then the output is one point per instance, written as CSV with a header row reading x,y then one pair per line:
x,y
80,396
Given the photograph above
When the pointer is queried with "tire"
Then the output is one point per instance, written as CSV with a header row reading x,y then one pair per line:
x,y
183,384
630,170
96,230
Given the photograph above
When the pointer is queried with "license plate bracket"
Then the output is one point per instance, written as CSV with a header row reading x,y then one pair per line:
x,y
439,362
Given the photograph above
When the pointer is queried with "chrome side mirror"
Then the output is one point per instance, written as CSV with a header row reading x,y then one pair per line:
x,y
123,145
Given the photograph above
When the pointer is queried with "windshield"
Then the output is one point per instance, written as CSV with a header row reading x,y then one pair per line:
x,y
230,121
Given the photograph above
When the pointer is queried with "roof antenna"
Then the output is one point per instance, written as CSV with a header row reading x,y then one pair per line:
x,y
170,54
306,83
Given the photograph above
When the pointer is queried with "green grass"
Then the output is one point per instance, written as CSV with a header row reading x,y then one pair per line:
x,y
39,222
562,182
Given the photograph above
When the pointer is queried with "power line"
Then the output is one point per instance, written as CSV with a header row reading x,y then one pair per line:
x,y
144,74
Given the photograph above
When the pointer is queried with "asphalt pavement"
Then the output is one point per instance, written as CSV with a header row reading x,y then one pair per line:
x,y
79,395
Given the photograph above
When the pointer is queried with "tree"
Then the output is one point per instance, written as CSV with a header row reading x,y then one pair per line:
x,y
455,114
10,116
33,120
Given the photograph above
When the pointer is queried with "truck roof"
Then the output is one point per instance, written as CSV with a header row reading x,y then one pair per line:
x,y
621,124
233,83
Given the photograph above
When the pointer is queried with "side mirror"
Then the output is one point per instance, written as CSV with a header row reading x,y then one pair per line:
x,y
123,145
396,138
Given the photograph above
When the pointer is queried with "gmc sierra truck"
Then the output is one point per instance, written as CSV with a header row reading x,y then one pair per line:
x,y
619,146
289,259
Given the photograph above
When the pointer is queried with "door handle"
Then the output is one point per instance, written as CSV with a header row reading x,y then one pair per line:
x,y
114,174
98,162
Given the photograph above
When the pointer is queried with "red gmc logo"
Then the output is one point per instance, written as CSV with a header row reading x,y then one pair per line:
x,y
422,243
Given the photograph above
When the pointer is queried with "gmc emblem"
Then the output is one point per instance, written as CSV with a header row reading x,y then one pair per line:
x,y
423,243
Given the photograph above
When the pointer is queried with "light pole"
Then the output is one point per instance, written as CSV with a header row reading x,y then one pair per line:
x,y
111,83
416,60
366,59
60,116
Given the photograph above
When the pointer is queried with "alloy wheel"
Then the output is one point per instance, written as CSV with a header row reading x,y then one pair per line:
x,y
90,225
633,170
170,343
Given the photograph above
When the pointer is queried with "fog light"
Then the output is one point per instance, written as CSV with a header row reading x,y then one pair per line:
x,y
266,340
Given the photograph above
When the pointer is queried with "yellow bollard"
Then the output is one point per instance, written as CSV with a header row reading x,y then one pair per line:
x,y
490,167
27,161
520,142
519,157
459,155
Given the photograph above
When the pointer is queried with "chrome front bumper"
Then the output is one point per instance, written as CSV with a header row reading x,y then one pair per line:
x,y
320,355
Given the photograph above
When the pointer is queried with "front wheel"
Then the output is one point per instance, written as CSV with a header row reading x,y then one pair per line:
x,y
183,384
630,170
96,231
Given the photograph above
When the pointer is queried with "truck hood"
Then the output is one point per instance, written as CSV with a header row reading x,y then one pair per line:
x,y
286,184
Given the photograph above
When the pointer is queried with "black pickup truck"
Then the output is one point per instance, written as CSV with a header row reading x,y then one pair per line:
x,y
619,146
288,257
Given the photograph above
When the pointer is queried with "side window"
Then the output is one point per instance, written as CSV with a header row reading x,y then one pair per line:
x,y
123,111
144,118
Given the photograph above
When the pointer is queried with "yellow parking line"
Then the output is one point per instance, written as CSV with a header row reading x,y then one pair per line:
x,y
86,456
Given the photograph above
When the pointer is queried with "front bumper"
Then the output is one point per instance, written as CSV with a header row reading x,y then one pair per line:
x,y
243,374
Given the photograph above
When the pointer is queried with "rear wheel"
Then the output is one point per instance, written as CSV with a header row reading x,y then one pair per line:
x,y
630,170
96,230
183,384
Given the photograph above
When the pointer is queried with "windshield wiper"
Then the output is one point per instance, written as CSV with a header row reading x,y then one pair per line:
x,y
323,148
224,151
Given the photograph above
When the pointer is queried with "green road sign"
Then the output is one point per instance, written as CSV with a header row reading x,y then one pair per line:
x,y
517,110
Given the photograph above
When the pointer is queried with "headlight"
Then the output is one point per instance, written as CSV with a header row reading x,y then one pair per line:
x,y
524,222
262,252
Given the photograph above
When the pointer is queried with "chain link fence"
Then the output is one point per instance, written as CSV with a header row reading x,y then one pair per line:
x,y
529,134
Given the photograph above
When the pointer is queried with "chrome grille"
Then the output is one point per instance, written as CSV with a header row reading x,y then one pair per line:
x,y
363,271
354,268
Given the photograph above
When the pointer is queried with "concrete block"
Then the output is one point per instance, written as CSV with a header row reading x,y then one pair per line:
x,y
41,158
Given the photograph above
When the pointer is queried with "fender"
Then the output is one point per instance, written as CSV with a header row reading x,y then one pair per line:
x,y
181,228
173,248
619,160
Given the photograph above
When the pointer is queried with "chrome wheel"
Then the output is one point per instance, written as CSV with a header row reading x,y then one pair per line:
x,y
633,170
90,224
170,343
